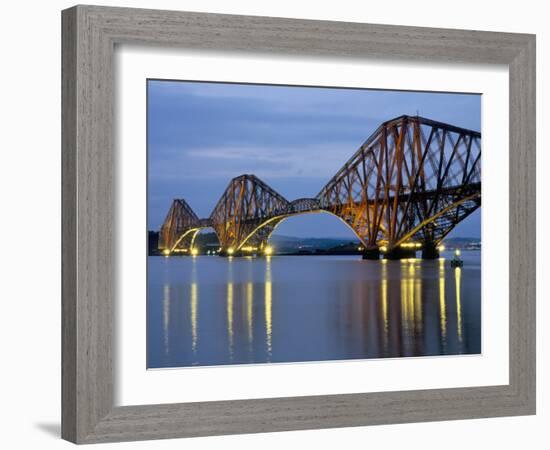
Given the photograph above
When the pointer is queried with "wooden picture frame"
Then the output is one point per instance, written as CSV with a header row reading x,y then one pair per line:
x,y
90,34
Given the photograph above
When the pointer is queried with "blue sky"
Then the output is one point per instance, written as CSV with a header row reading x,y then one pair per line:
x,y
200,135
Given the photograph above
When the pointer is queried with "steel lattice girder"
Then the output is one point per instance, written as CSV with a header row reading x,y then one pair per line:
x,y
412,179
179,221
247,212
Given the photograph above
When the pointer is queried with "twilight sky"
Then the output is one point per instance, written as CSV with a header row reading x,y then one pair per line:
x,y
200,135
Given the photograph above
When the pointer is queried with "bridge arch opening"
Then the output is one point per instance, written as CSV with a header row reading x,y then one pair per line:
x,y
195,241
206,242
313,232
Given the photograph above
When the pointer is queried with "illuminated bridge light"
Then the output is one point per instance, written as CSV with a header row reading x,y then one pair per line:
x,y
194,251
166,252
268,250
383,249
230,250
411,245
441,248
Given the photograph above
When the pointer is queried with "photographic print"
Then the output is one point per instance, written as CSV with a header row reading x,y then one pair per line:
x,y
293,224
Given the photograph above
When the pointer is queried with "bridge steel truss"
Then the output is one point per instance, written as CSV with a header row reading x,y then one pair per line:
x,y
247,213
179,229
407,186
414,180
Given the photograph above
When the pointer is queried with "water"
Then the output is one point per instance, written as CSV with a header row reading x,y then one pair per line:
x,y
209,310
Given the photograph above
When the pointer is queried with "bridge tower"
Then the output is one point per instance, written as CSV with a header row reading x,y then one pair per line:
x,y
178,232
246,214
408,186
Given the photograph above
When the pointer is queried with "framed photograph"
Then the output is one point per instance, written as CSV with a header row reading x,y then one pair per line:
x,y
278,224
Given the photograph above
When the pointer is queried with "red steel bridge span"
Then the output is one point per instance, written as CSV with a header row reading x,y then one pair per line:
x,y
410,183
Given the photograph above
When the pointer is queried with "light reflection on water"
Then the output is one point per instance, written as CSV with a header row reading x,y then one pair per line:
x,y
214,311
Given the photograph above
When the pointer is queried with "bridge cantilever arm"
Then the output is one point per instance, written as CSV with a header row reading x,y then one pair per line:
x,y
435,216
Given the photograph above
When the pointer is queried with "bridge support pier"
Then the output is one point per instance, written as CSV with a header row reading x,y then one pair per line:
x,y
400,253
430,251
371,253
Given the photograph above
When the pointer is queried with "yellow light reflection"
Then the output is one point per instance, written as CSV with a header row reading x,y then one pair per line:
x,y
166,317
418,299
410,296
268,307
405,311
230,323
249,304
384,299
458,275
194,310
230,289
411,304
442,305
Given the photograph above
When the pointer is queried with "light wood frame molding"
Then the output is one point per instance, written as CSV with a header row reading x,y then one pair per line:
x,y
90,34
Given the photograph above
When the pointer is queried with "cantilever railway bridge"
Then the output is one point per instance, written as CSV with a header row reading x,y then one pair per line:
x,y
410,183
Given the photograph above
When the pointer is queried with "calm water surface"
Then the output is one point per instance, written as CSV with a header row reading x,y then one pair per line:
x,y
209,310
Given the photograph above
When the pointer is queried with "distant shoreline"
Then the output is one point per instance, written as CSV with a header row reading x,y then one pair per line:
x,y
207,244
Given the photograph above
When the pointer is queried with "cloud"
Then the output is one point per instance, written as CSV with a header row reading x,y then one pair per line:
x,y
320,160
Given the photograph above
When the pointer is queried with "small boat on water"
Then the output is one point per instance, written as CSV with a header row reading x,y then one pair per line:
x,y
456,261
